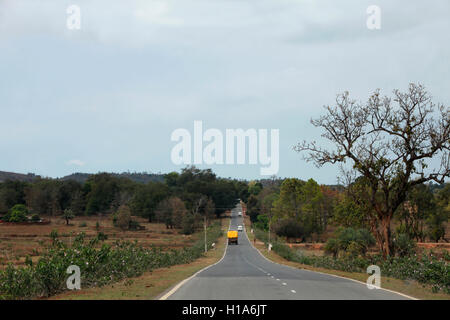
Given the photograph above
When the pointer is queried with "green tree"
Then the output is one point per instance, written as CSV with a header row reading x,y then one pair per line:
x,y
253,209
171,211
146,199
254,188
413,213
437,218
68,215
123,217
11,193
301,202
103,189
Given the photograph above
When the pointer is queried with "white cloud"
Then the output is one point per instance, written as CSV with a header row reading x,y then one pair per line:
x,y
76,162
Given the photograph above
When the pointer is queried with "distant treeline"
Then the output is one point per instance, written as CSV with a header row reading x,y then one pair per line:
x,y
104,193
143,177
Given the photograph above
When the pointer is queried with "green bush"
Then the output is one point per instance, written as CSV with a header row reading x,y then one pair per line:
x,y
134,225
18,213
290,228
101,236
352,242
332,247
262,222
188,224
403,245
123,217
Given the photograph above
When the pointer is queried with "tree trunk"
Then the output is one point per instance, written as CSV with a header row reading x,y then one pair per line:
x,y
386,235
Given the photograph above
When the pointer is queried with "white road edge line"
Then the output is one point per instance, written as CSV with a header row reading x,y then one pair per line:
x,y
328,274
178,286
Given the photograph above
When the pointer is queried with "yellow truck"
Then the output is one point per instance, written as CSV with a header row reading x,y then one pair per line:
x,y
232,237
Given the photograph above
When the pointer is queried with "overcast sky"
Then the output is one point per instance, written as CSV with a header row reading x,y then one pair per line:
x,y
108,96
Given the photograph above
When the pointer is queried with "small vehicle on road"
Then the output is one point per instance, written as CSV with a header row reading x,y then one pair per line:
x,y
240,214
240,228
232,236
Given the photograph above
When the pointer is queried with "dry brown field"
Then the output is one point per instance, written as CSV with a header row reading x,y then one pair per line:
x,y
18,241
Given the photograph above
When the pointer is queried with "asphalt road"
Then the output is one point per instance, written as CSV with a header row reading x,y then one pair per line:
x,y
244,273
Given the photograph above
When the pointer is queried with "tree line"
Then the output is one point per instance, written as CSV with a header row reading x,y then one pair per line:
x,y
304,209
180,197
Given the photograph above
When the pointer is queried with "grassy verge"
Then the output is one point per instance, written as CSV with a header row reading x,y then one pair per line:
x,y
410,288
151,284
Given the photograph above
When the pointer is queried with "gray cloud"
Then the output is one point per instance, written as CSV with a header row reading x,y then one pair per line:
x,y
112,92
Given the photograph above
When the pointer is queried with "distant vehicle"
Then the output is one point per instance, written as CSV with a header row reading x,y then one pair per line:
x,y
240,214
232,237
240,228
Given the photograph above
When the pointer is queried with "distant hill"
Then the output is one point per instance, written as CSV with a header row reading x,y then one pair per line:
x,y
142,177
17,176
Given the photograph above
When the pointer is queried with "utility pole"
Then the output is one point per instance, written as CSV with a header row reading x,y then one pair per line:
x,y
204,225
268,245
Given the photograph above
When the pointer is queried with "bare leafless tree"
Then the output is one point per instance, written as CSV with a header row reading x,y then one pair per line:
x,y
390,142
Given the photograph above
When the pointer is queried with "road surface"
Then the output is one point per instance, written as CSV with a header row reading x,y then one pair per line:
x,y
244,274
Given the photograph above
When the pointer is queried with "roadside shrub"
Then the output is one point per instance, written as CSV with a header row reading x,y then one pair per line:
x,y
261,235
352,242
354,249
332,247
284,251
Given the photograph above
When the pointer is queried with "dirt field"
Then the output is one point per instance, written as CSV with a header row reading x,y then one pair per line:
x,y
18,241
